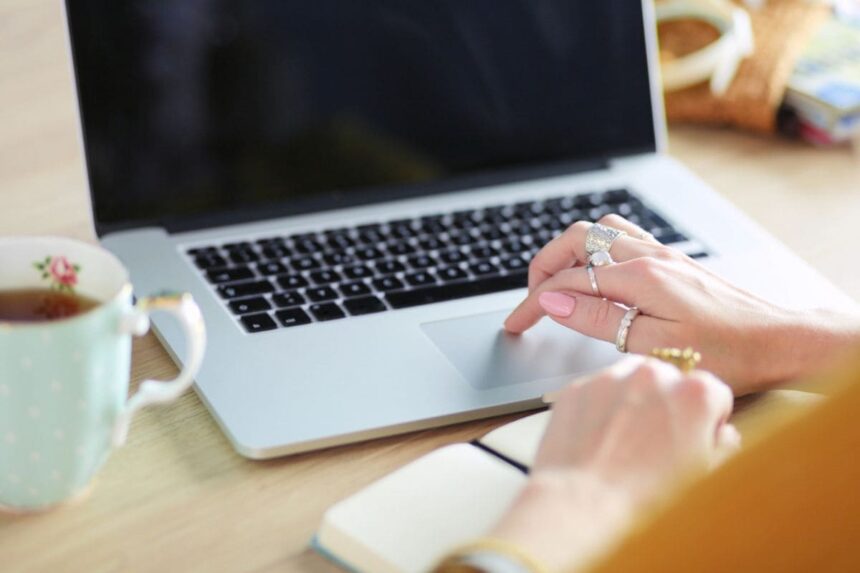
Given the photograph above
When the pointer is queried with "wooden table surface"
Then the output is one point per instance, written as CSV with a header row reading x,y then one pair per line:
x,y
176,497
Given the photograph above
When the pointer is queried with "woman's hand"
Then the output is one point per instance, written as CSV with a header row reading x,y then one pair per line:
x,y
613,443
744,339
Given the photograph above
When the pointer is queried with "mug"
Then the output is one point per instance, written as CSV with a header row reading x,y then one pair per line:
x,y
64,382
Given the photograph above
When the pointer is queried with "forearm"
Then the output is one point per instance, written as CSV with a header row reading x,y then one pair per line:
x,y
565,519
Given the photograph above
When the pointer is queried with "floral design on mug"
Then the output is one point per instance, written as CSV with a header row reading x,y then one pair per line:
x,y
62,274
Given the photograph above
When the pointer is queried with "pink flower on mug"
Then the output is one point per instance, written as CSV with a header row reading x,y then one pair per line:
x,y
62,274
63,271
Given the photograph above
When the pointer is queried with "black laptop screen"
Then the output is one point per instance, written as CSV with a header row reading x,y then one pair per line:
x,y
196,108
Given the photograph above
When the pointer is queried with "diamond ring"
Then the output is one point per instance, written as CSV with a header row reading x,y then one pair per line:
x,y
600,238
624,329
600,259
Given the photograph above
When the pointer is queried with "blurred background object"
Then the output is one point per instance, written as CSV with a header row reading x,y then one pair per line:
x,y
789,39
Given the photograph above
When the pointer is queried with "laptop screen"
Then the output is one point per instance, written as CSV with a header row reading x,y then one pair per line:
x,y
193,109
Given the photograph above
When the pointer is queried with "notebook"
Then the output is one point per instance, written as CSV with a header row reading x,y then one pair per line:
x,y
409,519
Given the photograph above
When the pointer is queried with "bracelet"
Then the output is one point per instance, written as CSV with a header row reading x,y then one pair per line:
x,y
466,559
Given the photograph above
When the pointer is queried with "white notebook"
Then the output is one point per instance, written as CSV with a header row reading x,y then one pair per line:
x,y
409,519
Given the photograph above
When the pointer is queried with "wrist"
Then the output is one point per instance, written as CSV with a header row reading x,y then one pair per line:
x,y
800,342
565,517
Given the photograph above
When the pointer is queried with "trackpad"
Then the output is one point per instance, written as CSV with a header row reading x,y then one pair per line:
x,y
489,357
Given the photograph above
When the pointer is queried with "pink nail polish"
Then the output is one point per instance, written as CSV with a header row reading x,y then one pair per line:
x,y
557,304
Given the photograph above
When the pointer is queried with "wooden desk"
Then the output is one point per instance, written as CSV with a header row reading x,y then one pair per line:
x,y
176,497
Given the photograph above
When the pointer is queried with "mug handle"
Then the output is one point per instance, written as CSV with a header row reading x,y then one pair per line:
x,y
184,308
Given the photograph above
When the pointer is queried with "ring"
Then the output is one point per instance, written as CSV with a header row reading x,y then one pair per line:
x,y
600,259
685,360
593,279
600,238
624,328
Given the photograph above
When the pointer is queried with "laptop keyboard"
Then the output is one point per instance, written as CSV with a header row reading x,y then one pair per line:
x,y
286,281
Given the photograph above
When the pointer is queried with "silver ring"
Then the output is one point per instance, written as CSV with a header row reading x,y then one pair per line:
x,y
600,259
624,328
593,280
600,238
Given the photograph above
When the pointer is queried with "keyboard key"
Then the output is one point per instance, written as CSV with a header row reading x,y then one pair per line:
x,y
258,322
402,231
364,305
387,283
514,263
452,291
358,272
229,275
202,251
699,255
421,261
325,277
616,195
245,289
482,252
339,258
452,257
304,263
284,299
464,238
246,305
400,248
266,241
291,282
276,252
243,257
354,289
292,317
448,274
210,261
237,246
672,238
493,233
271,268
484,268
318,294
368,253
306,245
421,278
339,242
431,244
326,311
389,267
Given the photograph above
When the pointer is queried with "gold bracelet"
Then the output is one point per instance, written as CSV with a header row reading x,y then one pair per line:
x,y
454,562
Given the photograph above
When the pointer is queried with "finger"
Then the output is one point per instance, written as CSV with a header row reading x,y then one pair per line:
x,y
628,283
632,229
600,318
708,398
569,248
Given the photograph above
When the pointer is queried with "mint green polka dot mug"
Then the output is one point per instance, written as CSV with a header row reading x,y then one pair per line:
x,y
64,382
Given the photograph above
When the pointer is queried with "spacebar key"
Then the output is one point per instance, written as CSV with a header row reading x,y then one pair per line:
x,y
452,291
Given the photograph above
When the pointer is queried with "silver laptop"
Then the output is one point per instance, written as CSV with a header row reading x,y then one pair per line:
x,y
352,192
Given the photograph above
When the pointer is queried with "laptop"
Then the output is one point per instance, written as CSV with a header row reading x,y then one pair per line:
x,y
352,192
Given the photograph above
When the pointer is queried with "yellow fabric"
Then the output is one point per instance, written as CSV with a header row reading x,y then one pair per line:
x,y
790,501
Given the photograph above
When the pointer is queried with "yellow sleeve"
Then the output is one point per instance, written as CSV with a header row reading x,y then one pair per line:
x,y
789,502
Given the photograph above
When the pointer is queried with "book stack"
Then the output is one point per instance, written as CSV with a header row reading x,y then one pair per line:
x,y
824,90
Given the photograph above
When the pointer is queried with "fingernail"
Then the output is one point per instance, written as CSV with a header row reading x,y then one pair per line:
x,y
557,304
